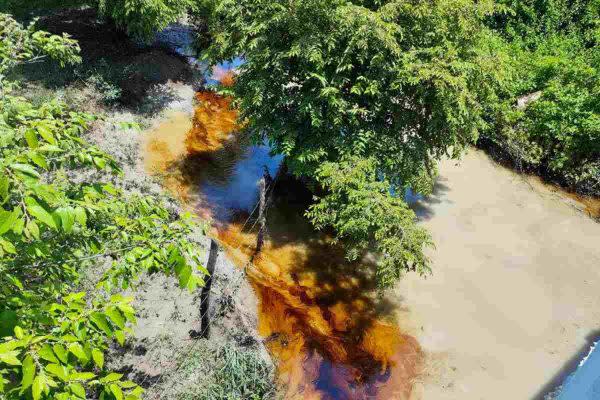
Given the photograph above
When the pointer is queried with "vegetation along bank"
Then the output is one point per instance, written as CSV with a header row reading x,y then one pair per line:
x,y
362,99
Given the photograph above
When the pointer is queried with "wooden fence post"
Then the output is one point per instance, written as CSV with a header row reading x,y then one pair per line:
x,y
261,215
205,294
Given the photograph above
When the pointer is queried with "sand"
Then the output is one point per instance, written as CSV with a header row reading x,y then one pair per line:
x,y
514,298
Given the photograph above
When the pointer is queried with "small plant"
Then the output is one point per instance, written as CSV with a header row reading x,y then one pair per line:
x,y
109,92
238,375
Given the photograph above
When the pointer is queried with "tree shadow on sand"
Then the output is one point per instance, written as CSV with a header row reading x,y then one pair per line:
x,y
424,207
118,70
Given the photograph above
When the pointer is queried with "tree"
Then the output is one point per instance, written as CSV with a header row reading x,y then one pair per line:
x,y
393,85
556,65
143,17
140,18
57,217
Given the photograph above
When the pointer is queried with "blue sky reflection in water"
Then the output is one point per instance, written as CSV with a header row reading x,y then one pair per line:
x,y
240,190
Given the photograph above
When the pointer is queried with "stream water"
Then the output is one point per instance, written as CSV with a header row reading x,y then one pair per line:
x,y
330,334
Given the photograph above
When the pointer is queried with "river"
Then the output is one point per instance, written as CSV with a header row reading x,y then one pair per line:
x,y
513,295
514,301
331,335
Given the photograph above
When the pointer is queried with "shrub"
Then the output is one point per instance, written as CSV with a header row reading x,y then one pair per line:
x,y
56,217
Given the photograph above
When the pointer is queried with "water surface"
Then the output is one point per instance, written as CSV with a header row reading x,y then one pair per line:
x,y
331,335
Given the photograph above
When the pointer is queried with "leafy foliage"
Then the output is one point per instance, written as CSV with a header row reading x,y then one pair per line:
x,y
144,17
56,218
533,20
20,45
556,66
141,18
361,210
398,83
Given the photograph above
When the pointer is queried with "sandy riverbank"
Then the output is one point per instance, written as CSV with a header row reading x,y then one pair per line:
x,y
515,293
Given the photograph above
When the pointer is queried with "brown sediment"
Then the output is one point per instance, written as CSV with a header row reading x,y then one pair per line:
x,y
330,333
587,204
178,148
591,205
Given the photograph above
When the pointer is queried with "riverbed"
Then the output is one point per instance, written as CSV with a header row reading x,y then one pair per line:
x,y
331,336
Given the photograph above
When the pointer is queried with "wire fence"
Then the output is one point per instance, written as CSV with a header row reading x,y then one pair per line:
x,y
221,299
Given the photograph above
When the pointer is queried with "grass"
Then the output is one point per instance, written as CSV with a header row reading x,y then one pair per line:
x,y
218,370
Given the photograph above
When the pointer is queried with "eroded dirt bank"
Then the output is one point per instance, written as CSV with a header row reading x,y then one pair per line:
x,y
514,298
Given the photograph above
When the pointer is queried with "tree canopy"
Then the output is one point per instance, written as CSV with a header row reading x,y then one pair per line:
x,y
555,66
140,18
392,85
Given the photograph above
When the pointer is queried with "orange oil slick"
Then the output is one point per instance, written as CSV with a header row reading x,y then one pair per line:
x,y
332,337
214,124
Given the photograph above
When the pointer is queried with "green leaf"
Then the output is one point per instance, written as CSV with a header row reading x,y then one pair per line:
x,y
59,371
60,352
33,229
38,386
10,357
39,160
8,219
67,218
120,335
78,352
80,216
49,148
40,213
77,390
46,353
31,138
100,162
183,271
46,134
101,322
8,246
4,186
28,371
116,390
19,333
98,358
116,317
81,376
18,226
113,376
25,169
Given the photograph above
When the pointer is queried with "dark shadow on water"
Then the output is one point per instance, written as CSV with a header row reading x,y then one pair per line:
x,y
344,294
424,206
569,367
